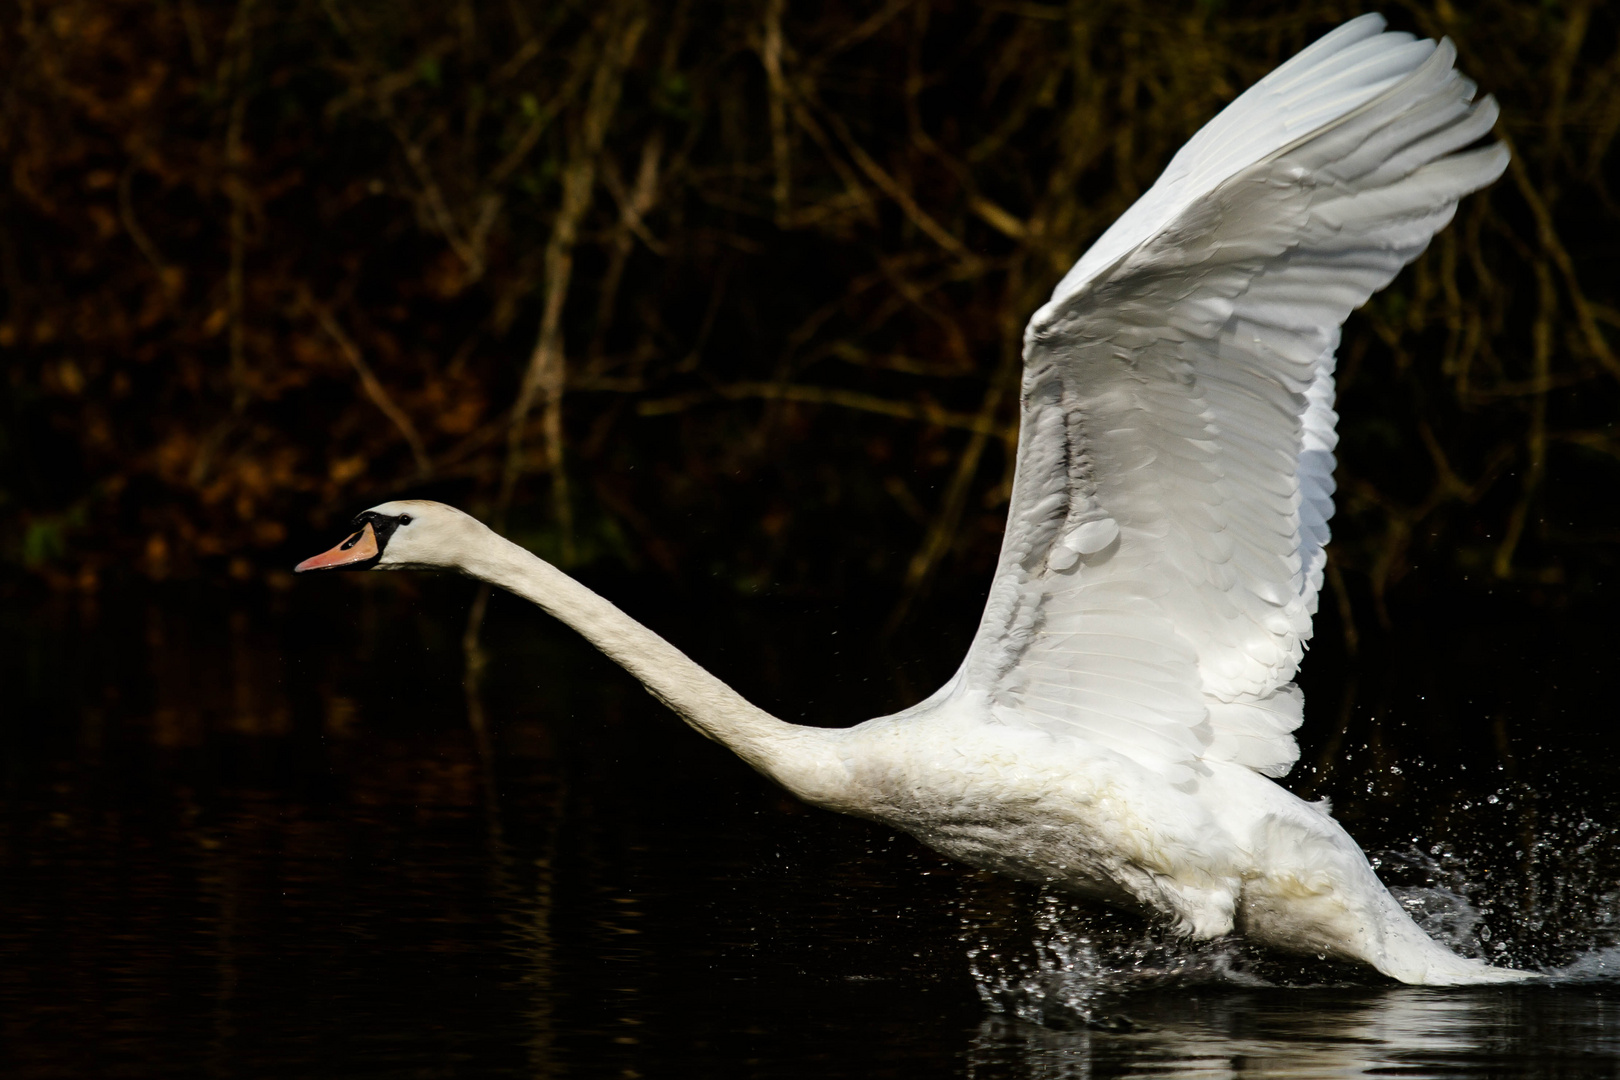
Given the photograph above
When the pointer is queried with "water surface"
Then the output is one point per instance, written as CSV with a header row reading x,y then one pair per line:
x,y
253,835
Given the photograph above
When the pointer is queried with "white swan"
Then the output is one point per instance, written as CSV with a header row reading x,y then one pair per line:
x,y
1127,694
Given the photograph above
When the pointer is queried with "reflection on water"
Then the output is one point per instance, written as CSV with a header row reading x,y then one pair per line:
x,y
1327,1033
254,836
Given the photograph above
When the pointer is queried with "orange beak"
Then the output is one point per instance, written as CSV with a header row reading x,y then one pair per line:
x,y
359,548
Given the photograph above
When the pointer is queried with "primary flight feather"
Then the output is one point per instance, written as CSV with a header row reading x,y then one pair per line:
x,y
1129,688
1175,470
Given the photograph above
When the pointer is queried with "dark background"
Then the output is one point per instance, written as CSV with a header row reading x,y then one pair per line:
x,y
718,306
722,292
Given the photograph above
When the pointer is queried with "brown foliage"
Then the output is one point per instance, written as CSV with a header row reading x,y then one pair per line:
x,y
738,284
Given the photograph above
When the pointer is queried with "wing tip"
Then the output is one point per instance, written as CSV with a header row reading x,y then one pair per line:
x,y
1493,159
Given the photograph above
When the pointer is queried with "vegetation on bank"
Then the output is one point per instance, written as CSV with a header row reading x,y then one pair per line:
x,y
730,289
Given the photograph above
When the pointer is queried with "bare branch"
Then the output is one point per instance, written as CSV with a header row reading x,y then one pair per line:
x,y
546,376
369,382
923,411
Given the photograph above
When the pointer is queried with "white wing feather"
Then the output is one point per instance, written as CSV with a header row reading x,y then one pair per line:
x,y
1164,546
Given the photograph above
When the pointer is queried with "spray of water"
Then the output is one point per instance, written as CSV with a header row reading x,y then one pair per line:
x,y
1543,896
1066,964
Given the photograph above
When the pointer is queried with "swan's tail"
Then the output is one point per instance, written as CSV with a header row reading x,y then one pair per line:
x,y
1412,956
1316,893
1442,967
1322,896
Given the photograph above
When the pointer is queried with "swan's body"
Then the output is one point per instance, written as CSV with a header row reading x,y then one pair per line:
x,y
1128,693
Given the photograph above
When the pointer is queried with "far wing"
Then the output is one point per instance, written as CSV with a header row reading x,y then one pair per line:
x,y
1164,546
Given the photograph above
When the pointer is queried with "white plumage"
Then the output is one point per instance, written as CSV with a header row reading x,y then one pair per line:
x,y
1129,690
1178,388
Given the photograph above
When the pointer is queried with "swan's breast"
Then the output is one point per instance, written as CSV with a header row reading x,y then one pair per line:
x,y
1040,807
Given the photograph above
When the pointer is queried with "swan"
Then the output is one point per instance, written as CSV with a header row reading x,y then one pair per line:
x,y
1116,725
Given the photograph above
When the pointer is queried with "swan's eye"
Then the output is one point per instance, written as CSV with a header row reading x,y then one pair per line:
x,y
404,519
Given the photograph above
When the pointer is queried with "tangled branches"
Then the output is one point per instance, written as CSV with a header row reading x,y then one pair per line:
x,y
651,280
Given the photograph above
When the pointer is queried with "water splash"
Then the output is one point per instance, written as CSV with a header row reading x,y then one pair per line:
x,y
1074,962
1532,886
1439,897
1600,965
1446,916
1558,914
1061,981
1509,879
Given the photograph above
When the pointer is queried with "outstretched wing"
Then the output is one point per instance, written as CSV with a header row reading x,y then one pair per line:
x,y
1164,546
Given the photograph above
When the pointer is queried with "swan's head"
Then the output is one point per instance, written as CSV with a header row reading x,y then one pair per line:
x,y
407,534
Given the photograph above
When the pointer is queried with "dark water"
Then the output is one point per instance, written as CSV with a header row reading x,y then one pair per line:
x,y
253,836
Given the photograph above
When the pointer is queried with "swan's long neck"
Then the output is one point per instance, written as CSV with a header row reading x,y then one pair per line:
x,y
804,760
